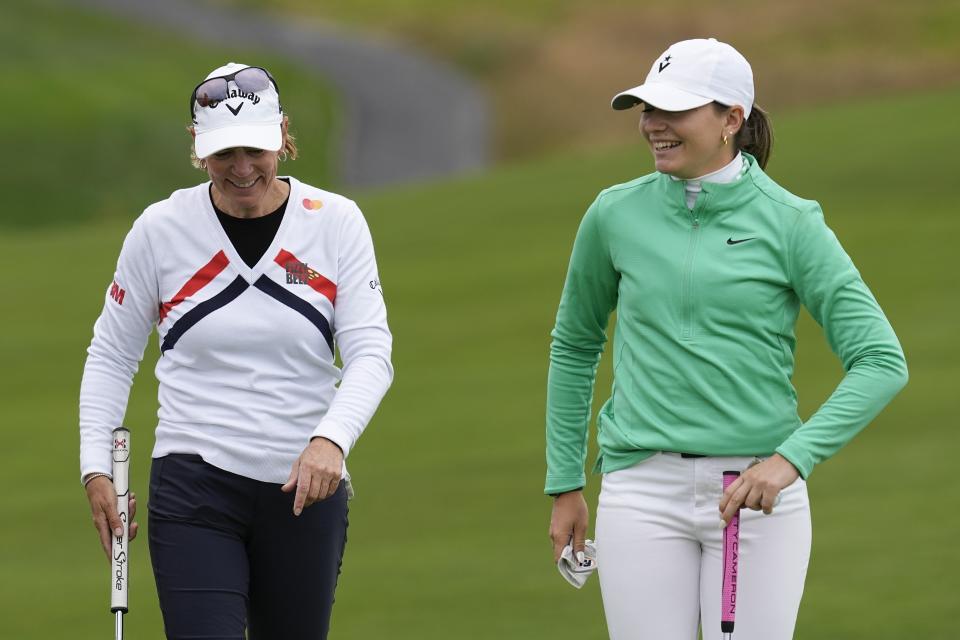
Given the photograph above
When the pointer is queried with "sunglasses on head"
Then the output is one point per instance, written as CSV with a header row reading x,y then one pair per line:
x,y
251,80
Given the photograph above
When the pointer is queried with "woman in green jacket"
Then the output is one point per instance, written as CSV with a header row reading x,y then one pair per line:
x,y
706,262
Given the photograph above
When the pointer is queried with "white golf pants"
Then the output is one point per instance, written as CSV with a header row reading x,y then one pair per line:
x,y
660,546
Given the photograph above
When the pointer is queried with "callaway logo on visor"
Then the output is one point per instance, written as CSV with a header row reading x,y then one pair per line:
x,y
247,83
252,116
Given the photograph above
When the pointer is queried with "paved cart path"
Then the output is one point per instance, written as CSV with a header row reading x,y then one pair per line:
x,y
406,118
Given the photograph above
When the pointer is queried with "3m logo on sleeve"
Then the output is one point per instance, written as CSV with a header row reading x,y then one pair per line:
x,y
116,292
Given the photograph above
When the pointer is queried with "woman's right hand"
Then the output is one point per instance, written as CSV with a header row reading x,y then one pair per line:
x,y
568,522
103,507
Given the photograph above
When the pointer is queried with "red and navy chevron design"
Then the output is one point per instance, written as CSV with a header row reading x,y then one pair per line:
x,y
231,292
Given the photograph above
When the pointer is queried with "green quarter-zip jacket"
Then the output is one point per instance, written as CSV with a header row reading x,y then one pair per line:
x,y
703,354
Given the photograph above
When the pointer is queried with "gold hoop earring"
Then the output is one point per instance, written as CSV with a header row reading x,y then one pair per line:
x,y
203,164
282,156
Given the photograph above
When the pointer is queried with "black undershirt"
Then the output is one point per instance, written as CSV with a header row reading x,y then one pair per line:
x,y
251,236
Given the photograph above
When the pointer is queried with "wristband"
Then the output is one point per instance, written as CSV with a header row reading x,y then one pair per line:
x,y
557,495
98,474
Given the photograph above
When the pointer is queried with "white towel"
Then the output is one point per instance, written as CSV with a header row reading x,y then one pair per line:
x,y
576,571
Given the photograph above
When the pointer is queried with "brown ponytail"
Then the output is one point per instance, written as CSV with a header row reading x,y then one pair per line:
x,y
756,136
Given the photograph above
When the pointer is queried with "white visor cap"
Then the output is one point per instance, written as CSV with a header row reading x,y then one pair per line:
x,y
693,73
241,119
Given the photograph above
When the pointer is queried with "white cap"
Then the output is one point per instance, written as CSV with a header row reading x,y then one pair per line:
x,y
693,73
245,119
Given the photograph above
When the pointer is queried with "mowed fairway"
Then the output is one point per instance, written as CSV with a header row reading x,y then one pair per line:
x,y
448,530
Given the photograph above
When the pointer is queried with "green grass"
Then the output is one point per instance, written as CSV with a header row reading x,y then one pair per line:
x,y
923,26
491,39
550,67
433,14
448,535
95,113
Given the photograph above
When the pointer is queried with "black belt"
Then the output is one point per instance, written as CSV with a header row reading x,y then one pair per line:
x,y
692,455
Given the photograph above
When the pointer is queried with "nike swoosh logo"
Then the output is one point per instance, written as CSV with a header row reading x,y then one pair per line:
x,y
732,241
237,110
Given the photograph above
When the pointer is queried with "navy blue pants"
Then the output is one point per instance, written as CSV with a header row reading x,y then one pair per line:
x,y
231,560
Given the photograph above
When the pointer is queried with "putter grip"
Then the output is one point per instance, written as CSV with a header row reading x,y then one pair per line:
x,y
119,553
731,557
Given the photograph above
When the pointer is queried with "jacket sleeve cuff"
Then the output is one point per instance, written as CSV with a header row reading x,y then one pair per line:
x,y
803,462
562,484
95,460
336,434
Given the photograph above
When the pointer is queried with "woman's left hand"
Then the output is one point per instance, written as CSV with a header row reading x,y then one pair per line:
x,y
757,488
316,474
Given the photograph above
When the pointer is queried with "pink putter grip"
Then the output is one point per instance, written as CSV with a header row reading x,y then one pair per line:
x,y
731,555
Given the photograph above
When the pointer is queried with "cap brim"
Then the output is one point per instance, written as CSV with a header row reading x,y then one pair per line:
x,y
257,136
659,95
